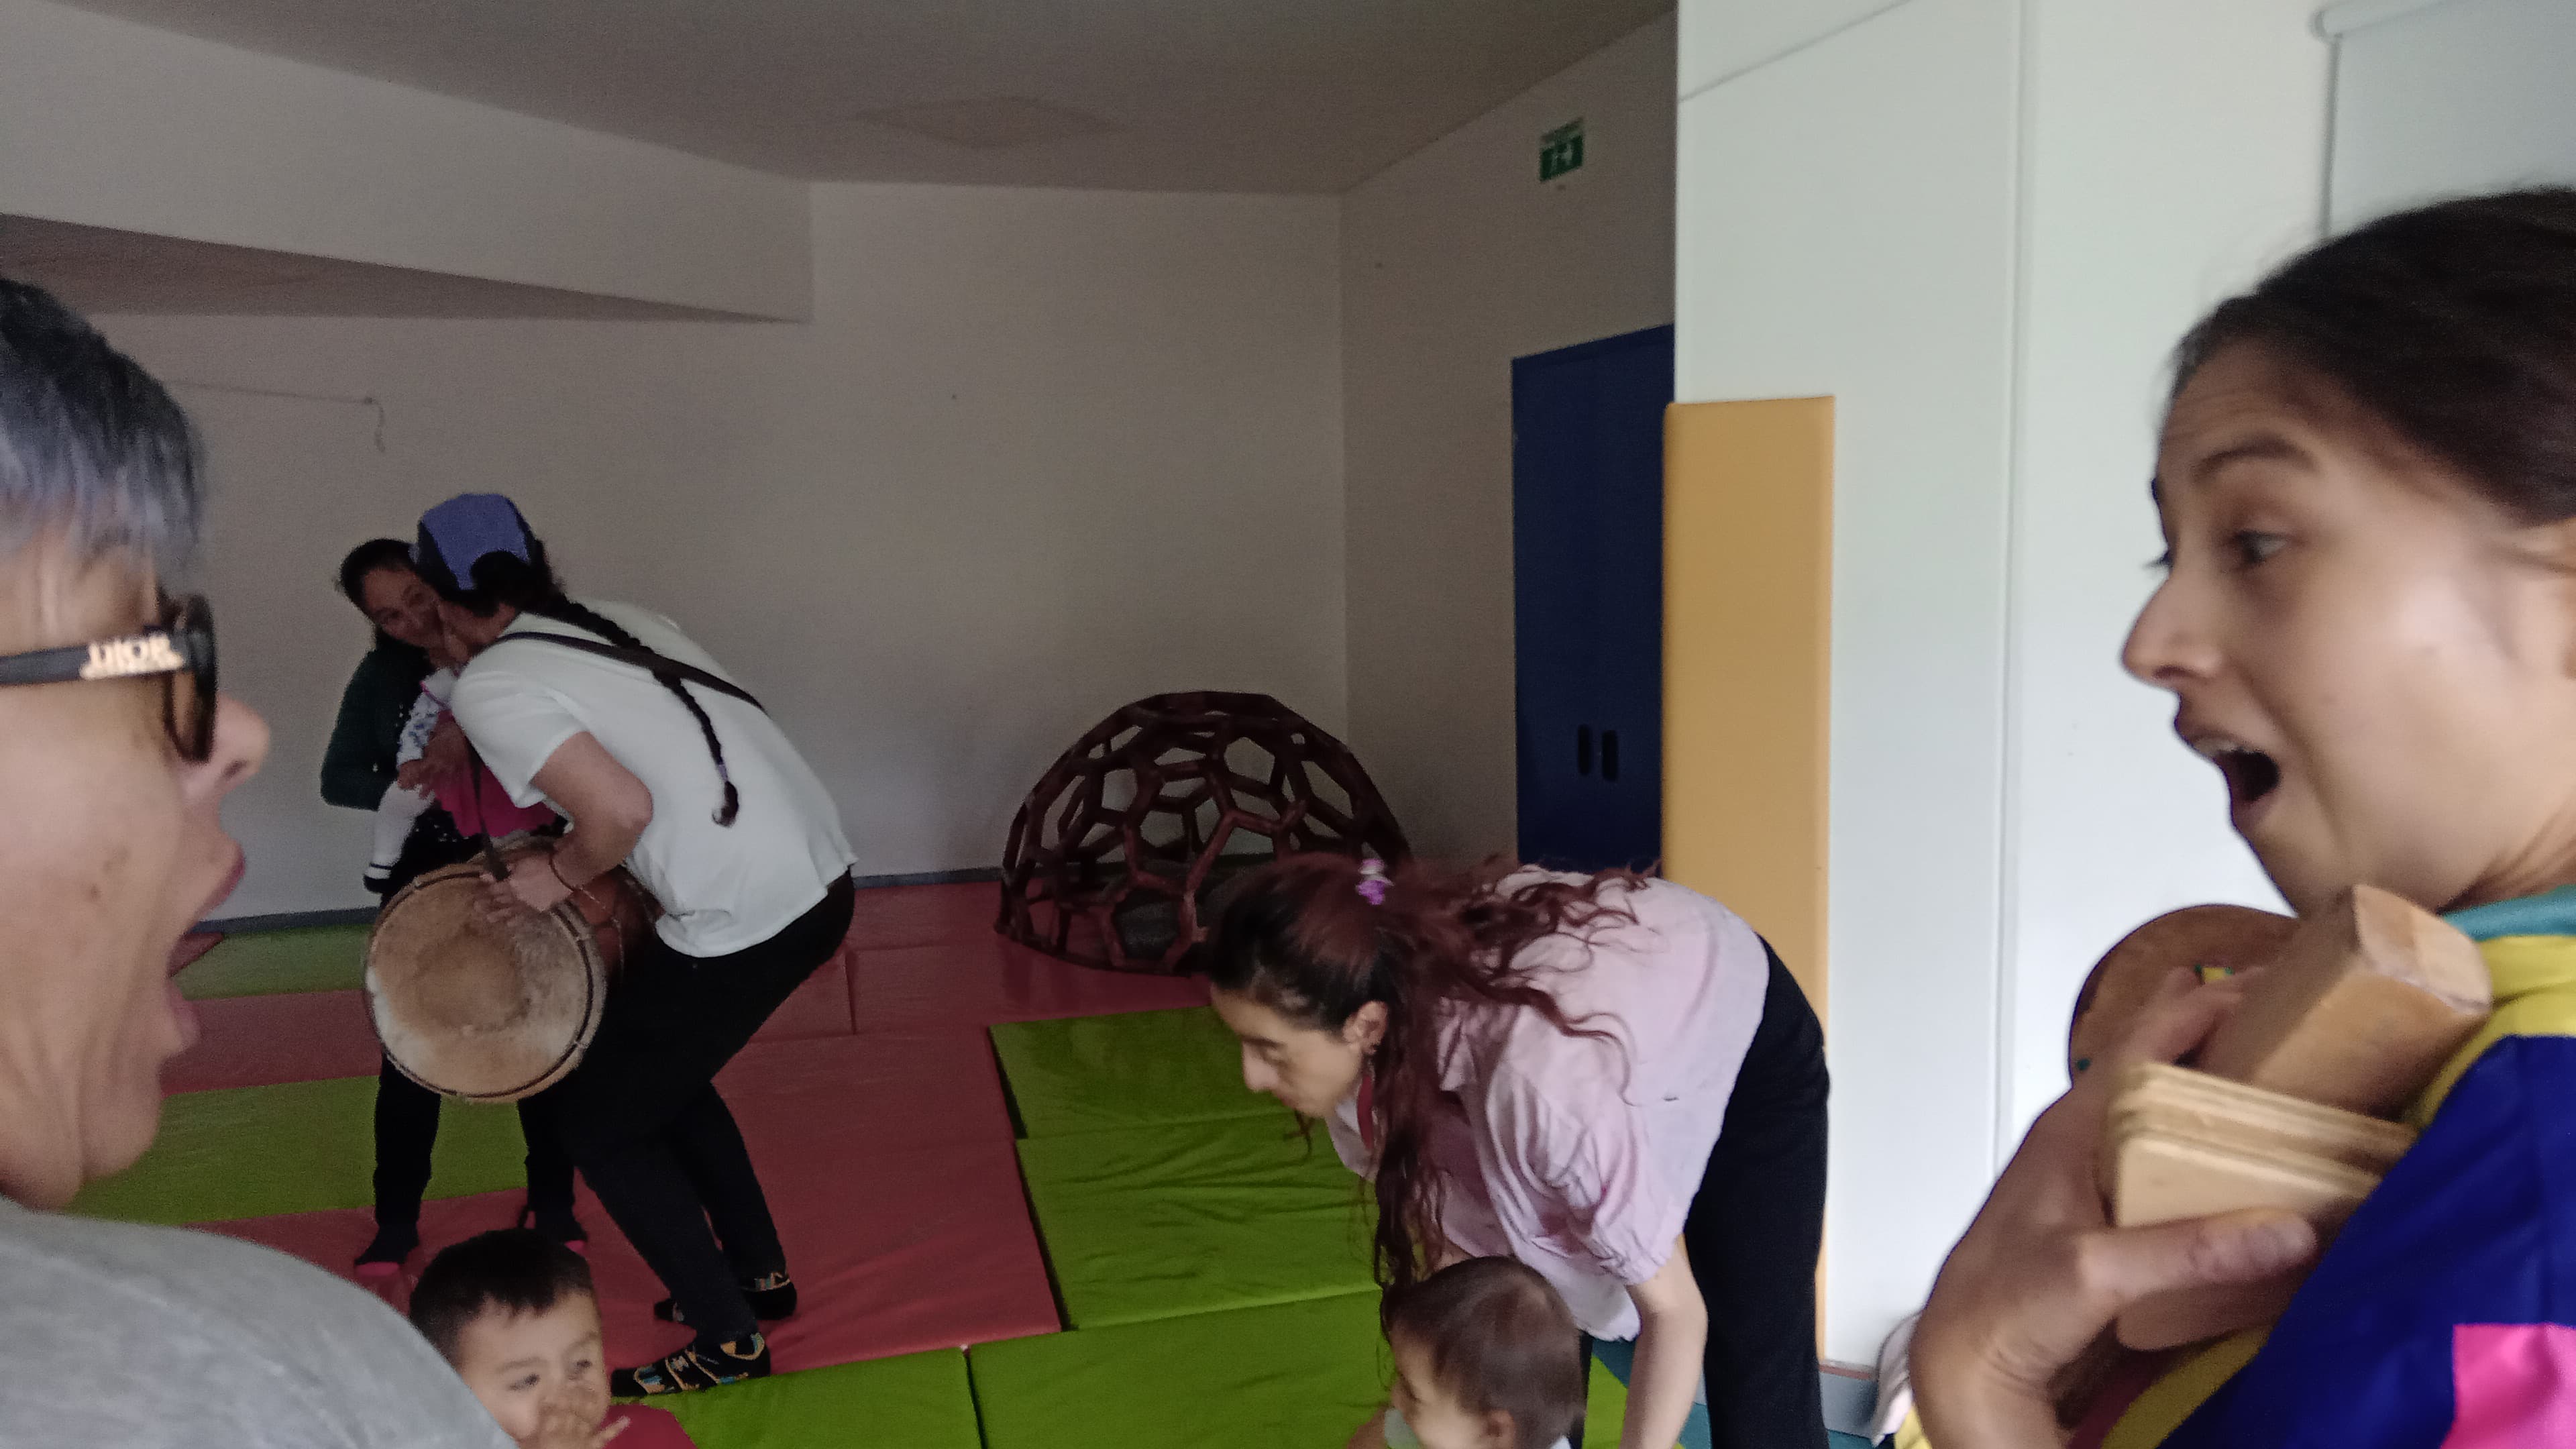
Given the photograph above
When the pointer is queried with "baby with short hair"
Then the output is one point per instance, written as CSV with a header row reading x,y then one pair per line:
x,y
514,1313
1487,1356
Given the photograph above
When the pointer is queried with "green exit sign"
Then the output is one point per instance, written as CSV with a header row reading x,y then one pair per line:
x,y
1561,150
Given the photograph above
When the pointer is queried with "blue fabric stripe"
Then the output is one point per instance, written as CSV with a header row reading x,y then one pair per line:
x,y
2475,1225
2551,913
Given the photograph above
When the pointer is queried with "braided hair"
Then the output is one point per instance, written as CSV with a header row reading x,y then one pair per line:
x,y
530,586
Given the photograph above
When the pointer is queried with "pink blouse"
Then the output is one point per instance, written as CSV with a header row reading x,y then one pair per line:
x,y
1575,1156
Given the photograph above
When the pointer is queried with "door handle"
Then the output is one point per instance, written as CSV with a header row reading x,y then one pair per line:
x,y
1583,749
1610,756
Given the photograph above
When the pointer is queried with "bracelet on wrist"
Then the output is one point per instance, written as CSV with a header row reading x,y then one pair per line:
x,y
553,863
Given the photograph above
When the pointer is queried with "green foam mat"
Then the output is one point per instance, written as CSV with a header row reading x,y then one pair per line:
x,y
1087,1073
1194,1217
1605,1407
296,1147
1287,1376
921,1401
271,963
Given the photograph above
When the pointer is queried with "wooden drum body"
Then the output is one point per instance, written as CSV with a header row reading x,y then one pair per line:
x,y
494,1014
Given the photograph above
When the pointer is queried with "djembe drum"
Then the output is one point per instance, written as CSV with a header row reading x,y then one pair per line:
x,y
488,1013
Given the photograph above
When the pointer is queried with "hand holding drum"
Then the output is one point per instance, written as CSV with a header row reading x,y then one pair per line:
x,y
2347,1016
492,1011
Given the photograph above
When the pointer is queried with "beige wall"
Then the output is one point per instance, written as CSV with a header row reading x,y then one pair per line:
x,y
110,124
1454,262
1038,453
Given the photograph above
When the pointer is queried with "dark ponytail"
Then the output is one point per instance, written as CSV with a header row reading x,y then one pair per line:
x,y
2454,325
530,586
1299,937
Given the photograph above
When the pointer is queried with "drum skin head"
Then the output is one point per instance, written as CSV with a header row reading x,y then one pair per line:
x,y
481,1013
2232,937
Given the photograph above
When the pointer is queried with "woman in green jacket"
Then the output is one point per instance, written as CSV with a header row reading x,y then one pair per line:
x,y
357,768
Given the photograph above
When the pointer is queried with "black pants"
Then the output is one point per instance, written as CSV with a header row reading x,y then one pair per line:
x,y
407,1112
1756,1228
407,1129
651,1135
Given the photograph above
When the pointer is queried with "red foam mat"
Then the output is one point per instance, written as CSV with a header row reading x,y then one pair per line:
x,y
986,979
927,915
254,1041
889,1164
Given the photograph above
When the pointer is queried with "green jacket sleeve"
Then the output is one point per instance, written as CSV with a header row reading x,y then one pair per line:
x,y
359,762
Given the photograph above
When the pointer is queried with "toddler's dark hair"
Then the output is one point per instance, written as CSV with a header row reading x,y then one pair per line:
x,y
1499,1340
519,1270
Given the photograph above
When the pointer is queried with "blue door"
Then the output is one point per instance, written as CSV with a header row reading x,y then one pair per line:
x,y
1588,598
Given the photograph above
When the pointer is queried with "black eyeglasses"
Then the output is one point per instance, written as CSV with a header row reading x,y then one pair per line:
x,y
183,645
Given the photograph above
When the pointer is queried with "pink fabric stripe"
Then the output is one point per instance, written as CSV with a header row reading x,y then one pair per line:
x,y
2515,1384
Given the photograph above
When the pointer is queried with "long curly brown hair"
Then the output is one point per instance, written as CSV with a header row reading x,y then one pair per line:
x,y
1301,938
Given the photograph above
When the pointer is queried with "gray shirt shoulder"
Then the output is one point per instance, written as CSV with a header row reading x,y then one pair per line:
x,y
162,1338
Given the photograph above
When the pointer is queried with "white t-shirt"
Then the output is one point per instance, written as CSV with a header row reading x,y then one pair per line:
x,y
722,888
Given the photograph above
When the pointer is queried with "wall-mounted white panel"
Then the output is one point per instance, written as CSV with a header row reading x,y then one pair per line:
x,y
2452,97
1845,227
2139,215
1723,38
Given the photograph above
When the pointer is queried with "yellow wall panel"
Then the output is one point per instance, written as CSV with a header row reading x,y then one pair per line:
x,y
1748,587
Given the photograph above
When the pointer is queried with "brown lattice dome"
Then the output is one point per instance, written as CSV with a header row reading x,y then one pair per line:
x,y
1111,859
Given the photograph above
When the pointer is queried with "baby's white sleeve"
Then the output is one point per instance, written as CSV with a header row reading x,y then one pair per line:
x,y
418,726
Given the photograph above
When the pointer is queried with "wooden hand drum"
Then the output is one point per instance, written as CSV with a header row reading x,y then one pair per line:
x,y
494,1014
2355,1010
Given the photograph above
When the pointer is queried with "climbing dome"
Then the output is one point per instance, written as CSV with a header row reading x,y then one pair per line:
x,y
1112,857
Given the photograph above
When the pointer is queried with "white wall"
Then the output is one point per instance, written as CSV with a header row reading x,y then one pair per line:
x,y
1980,225
2454,96
109,124
1039,453
1846,227
2138,216
1454,262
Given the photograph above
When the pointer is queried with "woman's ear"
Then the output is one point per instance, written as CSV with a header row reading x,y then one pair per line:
x,y
1366,1028
1495,1430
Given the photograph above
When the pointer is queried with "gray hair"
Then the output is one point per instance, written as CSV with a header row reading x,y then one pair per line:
x,y
90,445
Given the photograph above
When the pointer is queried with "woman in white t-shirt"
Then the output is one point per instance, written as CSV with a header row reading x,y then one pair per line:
x,y
612,716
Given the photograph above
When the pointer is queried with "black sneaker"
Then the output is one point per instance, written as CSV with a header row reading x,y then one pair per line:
x,y
393,1244
558,1224
772,1297
696,1367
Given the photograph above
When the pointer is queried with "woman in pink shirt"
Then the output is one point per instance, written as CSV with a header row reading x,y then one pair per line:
x,y
1611,1079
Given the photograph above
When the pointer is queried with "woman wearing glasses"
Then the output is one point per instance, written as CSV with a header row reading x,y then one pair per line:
x,y
362,770
619,721
115,755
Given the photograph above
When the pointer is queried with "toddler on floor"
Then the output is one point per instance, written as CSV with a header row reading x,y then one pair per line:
x,y
513,1311
1486,1357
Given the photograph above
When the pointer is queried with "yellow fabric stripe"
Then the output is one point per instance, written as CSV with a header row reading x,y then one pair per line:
x,y
2171,1399
2535,993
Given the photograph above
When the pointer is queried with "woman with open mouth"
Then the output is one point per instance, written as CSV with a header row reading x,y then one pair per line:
x,y
2367,487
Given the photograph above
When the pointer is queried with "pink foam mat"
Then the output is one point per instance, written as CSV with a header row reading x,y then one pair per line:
x,y
254,1041
889,1165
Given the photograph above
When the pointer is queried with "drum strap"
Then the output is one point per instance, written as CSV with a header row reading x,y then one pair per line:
x,y
648,660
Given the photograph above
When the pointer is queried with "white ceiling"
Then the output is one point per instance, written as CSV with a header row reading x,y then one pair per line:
x,y
1200,95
